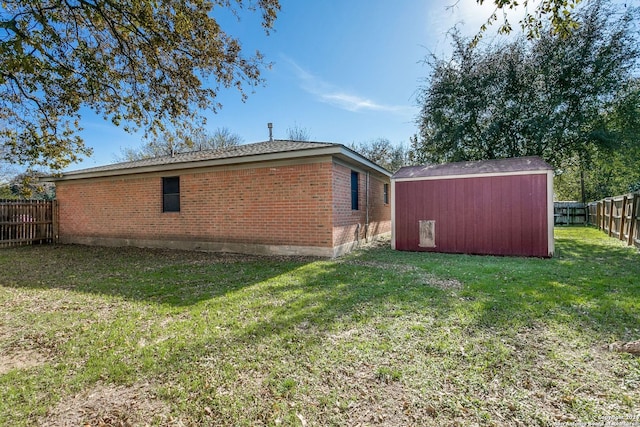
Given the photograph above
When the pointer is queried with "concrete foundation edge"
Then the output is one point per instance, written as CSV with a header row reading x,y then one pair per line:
x,y
348,247
242,248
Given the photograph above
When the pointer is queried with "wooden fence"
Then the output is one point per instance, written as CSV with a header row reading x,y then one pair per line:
x,y
27,222
570,213
618,216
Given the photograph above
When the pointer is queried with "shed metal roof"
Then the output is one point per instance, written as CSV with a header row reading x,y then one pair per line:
x,y
259,151
482,167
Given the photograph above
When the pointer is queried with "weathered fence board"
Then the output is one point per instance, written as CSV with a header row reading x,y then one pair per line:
x,y
570,213
618,216
595,213
27,222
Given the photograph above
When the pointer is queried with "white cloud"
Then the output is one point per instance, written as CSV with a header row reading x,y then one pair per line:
x,y
353,102
333,95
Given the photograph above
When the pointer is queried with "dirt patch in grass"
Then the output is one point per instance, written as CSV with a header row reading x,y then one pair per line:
x,y
110,406
19,350
365,394
632,347
21,359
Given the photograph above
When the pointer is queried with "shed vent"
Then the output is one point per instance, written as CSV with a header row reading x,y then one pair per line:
x,y
427,234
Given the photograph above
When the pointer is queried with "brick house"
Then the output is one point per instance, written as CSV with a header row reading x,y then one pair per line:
x,y
276,197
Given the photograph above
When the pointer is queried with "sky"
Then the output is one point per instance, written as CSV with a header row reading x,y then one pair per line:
x,y
343,70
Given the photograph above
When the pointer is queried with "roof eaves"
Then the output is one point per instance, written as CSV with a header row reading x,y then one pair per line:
x,y
494,167
332,149
469,175
353,155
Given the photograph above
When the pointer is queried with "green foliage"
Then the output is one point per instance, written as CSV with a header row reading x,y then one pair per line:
x,y
141,64
556,15
609,174
608,171
27,185
6,193
551,96
6,174
386,374
169,144
382,152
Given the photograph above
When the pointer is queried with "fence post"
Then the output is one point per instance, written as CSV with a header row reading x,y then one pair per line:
x,y
623,215
600,215
54,220
610,222
634,219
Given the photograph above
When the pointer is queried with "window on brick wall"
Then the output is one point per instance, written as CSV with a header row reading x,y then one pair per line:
x,y
354,190
171,194
386,194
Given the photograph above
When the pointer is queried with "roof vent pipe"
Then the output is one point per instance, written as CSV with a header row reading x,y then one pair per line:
x,y
270,126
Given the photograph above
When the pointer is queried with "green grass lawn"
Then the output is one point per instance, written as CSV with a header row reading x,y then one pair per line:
x,y
378,337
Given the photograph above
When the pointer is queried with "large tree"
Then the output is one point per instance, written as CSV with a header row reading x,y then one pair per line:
x,y
610,171
547,96
147,64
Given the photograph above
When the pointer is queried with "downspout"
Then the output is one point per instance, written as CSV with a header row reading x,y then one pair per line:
x,y
366,225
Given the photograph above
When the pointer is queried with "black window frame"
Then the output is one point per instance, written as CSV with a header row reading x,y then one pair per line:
x,y
385,194
355,194
171,194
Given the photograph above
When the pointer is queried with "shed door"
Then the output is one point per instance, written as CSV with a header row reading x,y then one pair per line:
x,y
427,234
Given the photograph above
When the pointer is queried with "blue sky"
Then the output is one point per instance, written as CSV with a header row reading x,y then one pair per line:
x,y
347,71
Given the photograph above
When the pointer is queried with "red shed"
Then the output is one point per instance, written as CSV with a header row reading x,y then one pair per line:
x,y
490,207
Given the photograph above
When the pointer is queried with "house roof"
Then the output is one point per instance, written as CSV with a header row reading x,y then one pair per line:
x,y
516,165
256,152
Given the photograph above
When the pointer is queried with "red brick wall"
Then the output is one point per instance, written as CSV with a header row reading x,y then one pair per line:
x,y
283,205
346,220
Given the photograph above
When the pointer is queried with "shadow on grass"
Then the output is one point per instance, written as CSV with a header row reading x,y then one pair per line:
x,y
256,296
592,283
176,278
234,330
